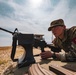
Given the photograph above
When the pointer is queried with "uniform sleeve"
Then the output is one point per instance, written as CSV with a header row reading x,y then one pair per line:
x,y
72,32
62,56
71,55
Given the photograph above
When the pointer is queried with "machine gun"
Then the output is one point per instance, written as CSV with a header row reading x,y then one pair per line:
x,y
27,41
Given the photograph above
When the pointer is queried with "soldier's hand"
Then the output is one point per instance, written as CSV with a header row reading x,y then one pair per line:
x,y
46,54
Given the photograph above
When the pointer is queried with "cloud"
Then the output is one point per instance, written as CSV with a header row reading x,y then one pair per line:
x,y
20,2
6,9
30,19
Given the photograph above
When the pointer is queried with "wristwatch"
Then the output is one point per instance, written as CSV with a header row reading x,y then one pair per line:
x,y
54,55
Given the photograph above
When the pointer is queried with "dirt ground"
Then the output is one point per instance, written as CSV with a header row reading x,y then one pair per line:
x,y
5,60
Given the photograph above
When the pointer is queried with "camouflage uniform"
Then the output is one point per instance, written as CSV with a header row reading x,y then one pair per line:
x,y
68,44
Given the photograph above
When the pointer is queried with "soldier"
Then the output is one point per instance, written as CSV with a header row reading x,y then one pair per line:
x,y
64,39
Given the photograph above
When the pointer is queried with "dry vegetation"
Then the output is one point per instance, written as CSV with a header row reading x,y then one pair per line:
x,y
5,59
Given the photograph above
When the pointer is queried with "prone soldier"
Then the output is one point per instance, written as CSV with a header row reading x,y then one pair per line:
x,y
64,39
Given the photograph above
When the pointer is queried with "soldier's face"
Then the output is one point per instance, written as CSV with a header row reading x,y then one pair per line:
x,y
58,31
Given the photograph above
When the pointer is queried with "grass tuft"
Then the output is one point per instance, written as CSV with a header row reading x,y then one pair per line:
x,y
3,62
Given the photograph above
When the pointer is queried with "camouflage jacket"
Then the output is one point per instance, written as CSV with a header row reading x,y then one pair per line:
x,y
68,43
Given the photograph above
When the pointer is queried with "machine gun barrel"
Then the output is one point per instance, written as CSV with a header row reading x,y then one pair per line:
x,y
6,30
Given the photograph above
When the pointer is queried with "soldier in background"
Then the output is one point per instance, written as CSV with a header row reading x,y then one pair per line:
x,y
64,39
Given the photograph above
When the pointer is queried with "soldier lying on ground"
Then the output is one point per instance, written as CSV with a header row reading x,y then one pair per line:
x,y
64,39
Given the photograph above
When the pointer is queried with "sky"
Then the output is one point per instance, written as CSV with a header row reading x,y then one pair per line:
x,y
34,16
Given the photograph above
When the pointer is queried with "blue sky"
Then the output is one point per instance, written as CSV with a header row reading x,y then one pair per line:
x,y
34,16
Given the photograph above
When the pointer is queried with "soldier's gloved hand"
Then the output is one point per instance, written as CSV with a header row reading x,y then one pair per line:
x,y
46,54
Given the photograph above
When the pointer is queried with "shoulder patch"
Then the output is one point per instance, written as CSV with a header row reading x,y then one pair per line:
x,y
74,40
